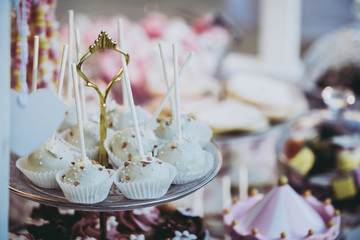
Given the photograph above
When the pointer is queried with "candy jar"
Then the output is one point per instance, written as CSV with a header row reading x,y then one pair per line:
x,y
320,152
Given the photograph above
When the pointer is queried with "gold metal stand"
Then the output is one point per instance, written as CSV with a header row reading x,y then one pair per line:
x,y
101,43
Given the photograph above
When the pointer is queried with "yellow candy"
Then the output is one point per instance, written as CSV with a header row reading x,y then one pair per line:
x,y
344,187
348,160
303,161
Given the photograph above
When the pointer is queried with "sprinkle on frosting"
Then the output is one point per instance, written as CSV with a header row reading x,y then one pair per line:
x,y
283,235
173,147
82,167
100,168
127,178
73,163
327,201
126,164
76,184
255,231
124,144
234,222
311,232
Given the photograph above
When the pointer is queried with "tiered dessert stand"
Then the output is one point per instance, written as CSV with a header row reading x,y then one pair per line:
x,y
115,201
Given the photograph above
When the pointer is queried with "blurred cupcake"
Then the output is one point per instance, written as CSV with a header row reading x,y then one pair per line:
x,y
181,223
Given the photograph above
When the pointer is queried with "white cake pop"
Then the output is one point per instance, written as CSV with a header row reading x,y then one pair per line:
x,y
186,156
120,117
145,177
86,173
143,169
41,166
191,129
52,155
91,135
124,143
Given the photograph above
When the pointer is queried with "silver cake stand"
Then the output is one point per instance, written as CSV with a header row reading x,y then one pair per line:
x,y
116,201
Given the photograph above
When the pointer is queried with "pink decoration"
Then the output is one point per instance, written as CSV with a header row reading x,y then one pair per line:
x,y
154,25
282,210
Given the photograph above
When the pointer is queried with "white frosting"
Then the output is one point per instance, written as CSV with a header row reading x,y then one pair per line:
x,y
52,155
137,237
124,142
86,173
186,156
187,212
110,223
139,170
120,117
185,235
36,221
91,135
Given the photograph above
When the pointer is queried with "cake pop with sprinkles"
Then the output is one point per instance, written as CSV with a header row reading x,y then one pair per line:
x,y
142,177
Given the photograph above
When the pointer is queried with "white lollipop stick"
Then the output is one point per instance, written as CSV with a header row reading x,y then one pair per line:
x,y
35,63
177,94
226,191
186,63
78,111
198,202
81,85
243,182
62,69
70,54
122,46
168,93
166,76
132,107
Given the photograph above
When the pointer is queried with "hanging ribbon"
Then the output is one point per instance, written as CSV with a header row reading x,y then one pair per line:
x,y
22,26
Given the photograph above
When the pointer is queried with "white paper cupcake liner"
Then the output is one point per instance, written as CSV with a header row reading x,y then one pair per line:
x,y
85,194
40,179
182,178
149,189
91,153
107,144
